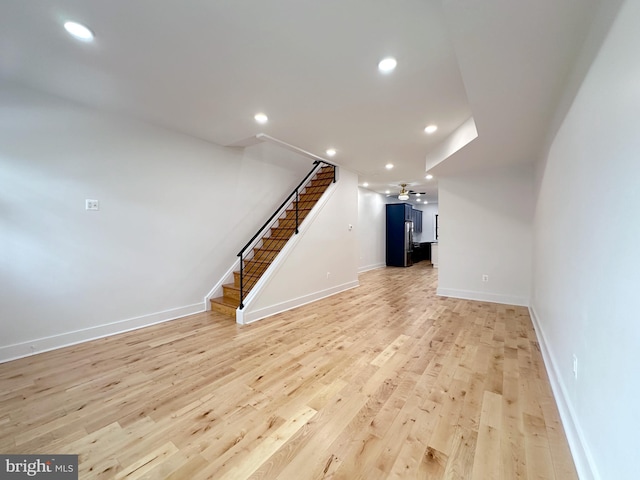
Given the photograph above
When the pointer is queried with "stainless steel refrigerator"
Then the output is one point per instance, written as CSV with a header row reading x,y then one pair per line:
x,y
408,243
399,247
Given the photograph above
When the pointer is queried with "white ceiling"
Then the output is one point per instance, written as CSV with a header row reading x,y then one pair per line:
x,y
205,67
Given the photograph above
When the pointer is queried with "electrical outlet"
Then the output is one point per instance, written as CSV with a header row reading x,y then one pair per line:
x,y
575,367
91,204
485,278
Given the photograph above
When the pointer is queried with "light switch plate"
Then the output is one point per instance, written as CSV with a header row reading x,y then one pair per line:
x,y
92,204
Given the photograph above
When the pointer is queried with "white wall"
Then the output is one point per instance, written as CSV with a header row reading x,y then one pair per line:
x,y
486,229
324,260
371,230
587,261
174,211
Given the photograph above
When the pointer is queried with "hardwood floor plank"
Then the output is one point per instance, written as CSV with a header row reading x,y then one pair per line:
x,y
387,380
487,463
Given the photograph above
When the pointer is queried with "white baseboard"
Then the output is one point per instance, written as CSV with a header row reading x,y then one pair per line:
x,y
296,302
483,296
45,344
585,464
373,266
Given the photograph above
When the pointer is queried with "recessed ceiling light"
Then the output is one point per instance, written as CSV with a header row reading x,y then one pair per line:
x,y
261,118
430,129
426,201
365,184
387,192
418,200
331,152
387,65
389,166
79,31
417,194
429,177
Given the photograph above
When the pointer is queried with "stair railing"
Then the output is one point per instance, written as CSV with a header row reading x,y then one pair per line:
x,y
293,197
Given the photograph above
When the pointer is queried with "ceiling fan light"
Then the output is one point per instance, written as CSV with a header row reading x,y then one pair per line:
x,y
404,195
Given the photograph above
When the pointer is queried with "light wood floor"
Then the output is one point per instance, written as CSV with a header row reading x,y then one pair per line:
x,y
383,381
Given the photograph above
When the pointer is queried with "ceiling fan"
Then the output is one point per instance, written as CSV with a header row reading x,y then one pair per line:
x,y
404,193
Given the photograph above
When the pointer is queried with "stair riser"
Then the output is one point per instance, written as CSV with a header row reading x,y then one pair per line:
x,y
312,194
286,224
304,200
255,270
231,293
249,280
256,265
223,309
271,244
324,175
303,211
265,255
282,235
282,231
314,187
320,182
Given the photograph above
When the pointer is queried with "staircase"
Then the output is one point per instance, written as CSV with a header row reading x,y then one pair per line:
x,y
256,260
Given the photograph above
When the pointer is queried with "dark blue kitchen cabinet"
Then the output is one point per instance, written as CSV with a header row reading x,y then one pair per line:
x,y
417,220
408,212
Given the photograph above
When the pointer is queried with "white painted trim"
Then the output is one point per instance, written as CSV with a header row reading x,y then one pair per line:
x,y
268,138
584,462
483,296
217,291
45,344
256,315
374,266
